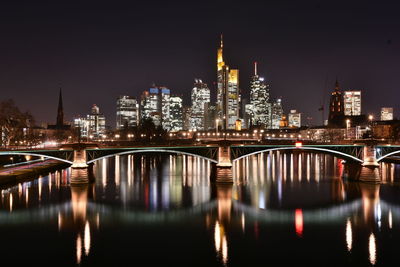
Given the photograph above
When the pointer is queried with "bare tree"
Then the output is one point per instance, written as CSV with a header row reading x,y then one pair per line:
x,y
14,124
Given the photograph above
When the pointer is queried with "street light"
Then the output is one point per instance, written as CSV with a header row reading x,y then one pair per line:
x,y
370,118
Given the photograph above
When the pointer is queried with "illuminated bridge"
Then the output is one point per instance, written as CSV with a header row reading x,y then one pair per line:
x,y
221,155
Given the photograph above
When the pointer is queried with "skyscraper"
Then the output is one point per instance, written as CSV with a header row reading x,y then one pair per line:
x,y
260,106
276,114
228,97
200,100
155,104
176,113
165,108
97,122
127,112
336,110
352,103
386,114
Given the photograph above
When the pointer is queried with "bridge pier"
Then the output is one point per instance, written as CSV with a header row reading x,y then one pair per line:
x,y
370,167
81,172
222,171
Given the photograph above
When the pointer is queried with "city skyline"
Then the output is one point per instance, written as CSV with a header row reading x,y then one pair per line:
x,y
360,51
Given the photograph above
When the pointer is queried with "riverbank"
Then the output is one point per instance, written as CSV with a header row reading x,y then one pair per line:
x,y
13,175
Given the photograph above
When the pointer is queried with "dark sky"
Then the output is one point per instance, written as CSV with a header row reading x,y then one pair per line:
x,y
99,50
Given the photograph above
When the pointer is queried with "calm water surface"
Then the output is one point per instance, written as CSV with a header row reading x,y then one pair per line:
x,y
284,208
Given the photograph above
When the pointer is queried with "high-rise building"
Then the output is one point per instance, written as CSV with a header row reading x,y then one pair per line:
x,y
97,122
228,97
165,108
352,103
386,114
200,100
276,114
176,113
210,114
127,112
294,119
155,104
187,111
336,109
260,105
93,126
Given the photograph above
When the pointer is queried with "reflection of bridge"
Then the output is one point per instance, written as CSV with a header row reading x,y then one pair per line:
x,y
221,154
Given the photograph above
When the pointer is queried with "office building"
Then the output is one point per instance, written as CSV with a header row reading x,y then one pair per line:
x,y
228,97
352,103
127,112
200,100
386,114
294,119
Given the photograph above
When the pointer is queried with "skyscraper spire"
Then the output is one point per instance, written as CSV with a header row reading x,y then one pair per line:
x,y
60,111
222,41
255,68
336,84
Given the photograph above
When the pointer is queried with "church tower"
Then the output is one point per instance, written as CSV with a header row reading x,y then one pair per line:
x,y
60,112
336,106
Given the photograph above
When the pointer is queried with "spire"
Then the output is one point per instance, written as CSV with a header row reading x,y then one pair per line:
x,y
60,110
255,68
336,84
222,41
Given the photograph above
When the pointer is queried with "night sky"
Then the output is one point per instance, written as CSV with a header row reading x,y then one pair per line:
x,y
96,51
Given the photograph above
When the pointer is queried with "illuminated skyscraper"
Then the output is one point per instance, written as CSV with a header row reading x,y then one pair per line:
x,y
175,110
200,100
336,110
352,103
127,112
294,119
386,114
155,104
260,105
276,114
228,97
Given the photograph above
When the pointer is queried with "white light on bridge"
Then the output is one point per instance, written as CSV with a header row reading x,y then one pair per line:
x,y
298,144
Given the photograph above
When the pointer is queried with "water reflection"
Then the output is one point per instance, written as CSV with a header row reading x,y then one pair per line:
x,y
349,235
279,202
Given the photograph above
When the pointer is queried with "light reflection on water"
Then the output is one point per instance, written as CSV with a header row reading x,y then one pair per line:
x,y
287,202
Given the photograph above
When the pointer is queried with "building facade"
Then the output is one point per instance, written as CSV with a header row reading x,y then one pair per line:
x,y
176,113
228,96
336,110
200,100
294,119
386,114
352,103
155,104
93,126
259,109
276,114
127,112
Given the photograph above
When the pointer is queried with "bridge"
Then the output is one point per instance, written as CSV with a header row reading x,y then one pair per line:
x,y
221,155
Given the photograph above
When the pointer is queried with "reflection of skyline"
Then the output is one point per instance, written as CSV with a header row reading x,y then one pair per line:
x,y
158,182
